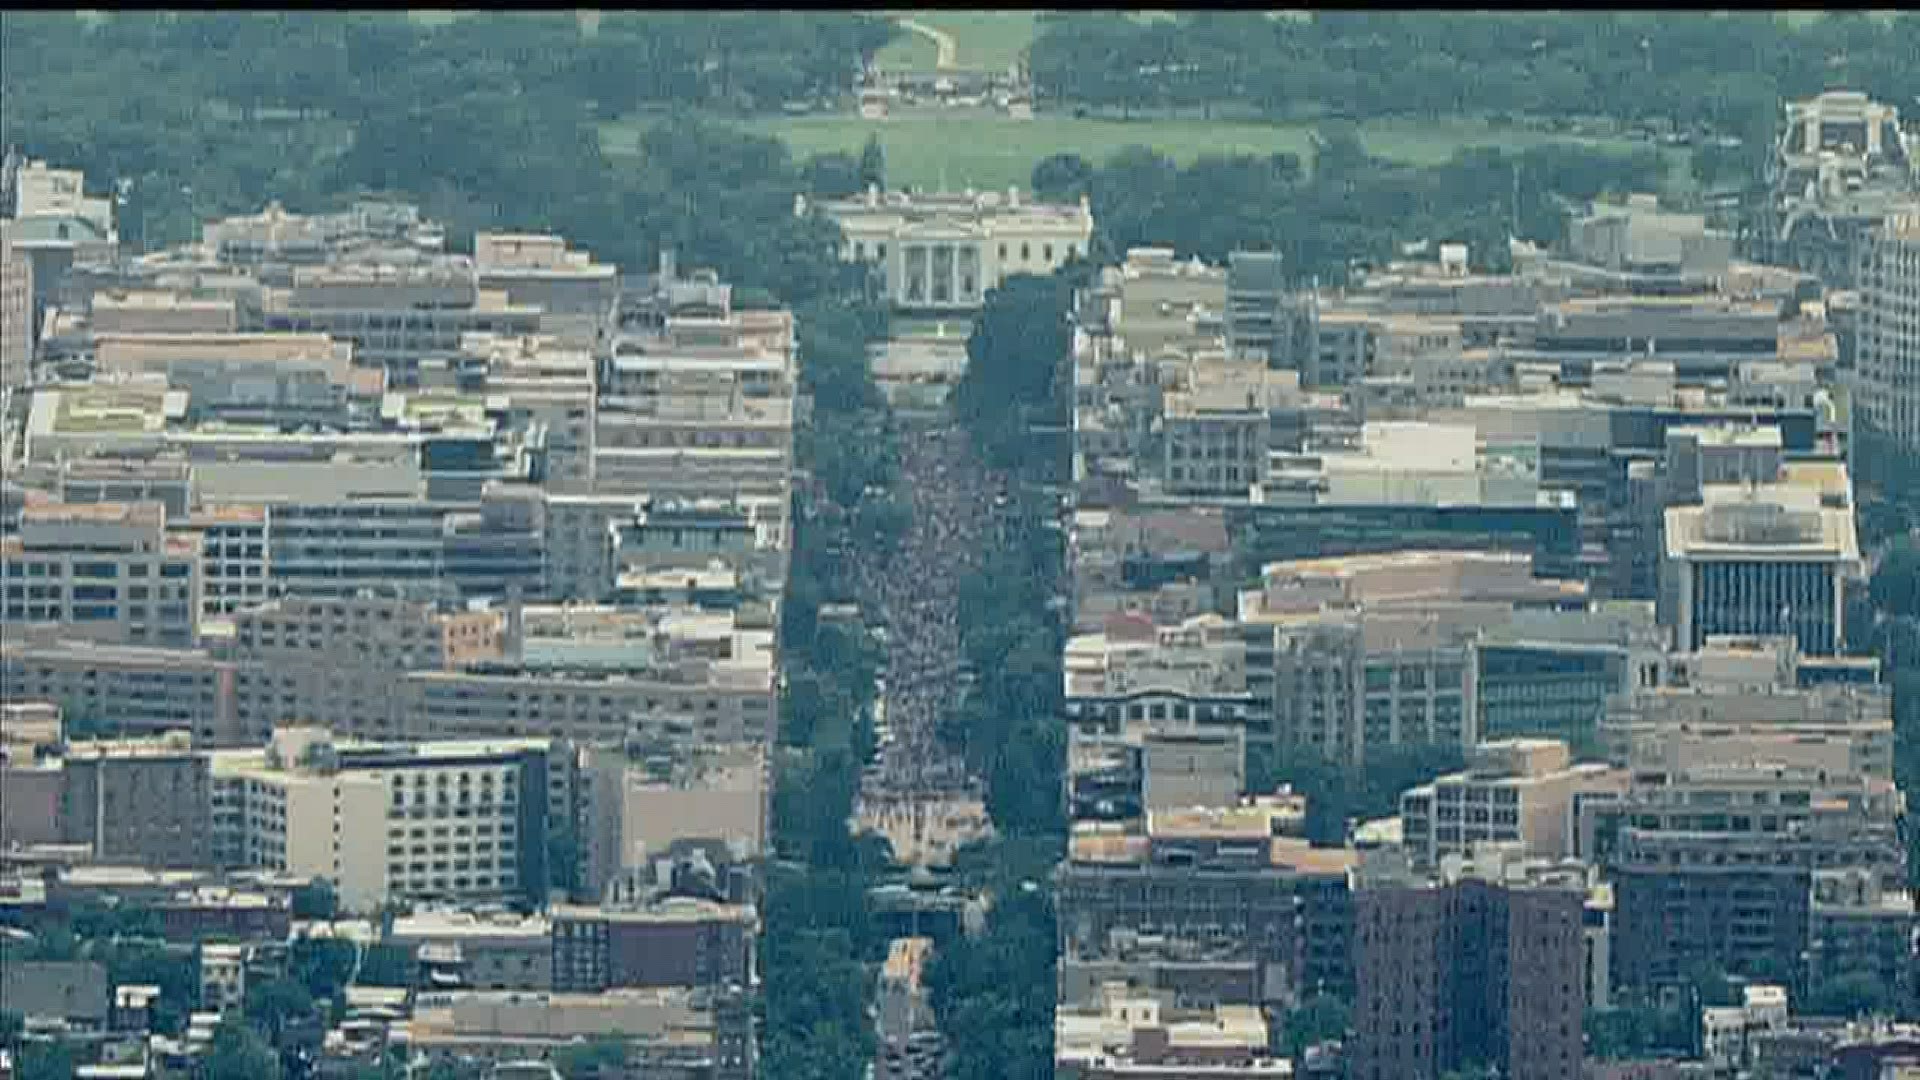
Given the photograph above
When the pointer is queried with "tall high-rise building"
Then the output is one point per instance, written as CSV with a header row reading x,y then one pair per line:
x,y
1470,972
16,312
1763,559
1886,402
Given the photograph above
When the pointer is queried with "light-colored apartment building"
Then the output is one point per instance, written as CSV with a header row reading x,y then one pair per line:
x,y
603,674
16,313
538,270
1744,699
634,811
1153,301
1516,791
259,378
447,821
114,480
1217,426
1887,358
538,380
704,408
1133,1034
107,572
161,311
399,317
128,689
1764,559
1136,676
495,952
339,662
236,560
942,253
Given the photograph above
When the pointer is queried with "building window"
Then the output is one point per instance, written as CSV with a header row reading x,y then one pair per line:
x,y
1026,252
1046,252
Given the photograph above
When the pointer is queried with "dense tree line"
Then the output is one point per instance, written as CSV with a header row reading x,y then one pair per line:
x,y
1349,209
489,118
994,994
1722,71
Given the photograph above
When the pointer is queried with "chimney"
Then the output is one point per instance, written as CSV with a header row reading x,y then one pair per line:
x,y
873,195
1013,195
668,271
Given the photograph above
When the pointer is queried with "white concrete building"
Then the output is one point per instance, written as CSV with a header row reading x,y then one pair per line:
x,y
1887,363
1519,791
941,253
457,821
1764,559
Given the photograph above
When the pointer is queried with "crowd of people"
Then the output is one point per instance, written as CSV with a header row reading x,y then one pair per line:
x,y
916,593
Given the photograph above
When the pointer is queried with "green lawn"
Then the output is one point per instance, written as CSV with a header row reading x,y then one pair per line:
x,y
988,150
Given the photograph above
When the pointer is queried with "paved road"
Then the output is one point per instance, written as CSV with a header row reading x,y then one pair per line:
x,y
943,42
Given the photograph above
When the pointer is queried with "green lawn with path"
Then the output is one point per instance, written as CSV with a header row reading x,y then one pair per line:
x,y
983,149
988,39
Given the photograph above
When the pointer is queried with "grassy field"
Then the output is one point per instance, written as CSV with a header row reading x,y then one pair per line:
x,y
988,150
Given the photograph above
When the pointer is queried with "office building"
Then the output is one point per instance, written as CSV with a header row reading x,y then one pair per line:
x,y
1397,486
125,689
943,253
339,662
446,821
282,379
1841,164
1155,304
490,952
166,312
1467,972
1217,427
666,1032
1216,884
1163,565
1373,651
635,811
528,381
16,313
1128,1034
701,407
602,674
1862,925
1746,699
1886,392
536,270
1186,676
139,802
1763,559
106,572
677,941
236,561
117,480
1516,791
1714,863
1650,248
1549,674
400,316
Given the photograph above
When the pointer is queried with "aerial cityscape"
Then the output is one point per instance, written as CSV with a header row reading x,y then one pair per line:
x,y
959,545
